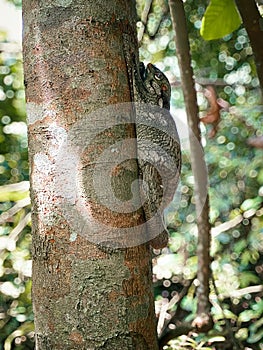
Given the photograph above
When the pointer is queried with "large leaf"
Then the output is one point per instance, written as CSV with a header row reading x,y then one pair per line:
x,y
221,18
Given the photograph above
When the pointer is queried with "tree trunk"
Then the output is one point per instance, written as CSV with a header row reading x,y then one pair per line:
x,y
87,293
253,22
203,320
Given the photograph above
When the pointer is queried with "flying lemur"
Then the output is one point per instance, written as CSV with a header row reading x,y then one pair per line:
x,y
159,152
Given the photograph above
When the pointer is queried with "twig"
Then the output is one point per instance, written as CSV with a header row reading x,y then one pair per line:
x,y
238,293
14,234
5,216
17,187
162,322
144,18
215,231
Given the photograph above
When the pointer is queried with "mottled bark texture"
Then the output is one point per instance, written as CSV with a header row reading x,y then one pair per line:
x,y
77,59
203,320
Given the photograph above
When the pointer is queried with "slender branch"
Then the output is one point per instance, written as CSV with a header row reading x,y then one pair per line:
x,y
19,186
7,215
197,161
225,226
163,321
240,292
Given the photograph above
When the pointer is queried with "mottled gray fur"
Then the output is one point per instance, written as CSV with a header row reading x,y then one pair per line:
x,y
159,153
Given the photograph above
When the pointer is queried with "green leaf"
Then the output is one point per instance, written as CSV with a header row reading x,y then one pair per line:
x,y
221,18
251,203
242,334
254,338
246,316
246,278
218,338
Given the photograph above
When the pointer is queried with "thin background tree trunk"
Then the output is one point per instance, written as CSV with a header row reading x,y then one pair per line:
x,y
253,22
198,163
77,58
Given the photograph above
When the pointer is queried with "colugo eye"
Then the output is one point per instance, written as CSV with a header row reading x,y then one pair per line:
x,y
158,76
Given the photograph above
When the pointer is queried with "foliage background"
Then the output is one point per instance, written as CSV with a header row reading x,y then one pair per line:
x,y
236,191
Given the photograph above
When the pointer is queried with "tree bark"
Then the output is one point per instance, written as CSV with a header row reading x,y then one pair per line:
x,y
86,295
203,319
253,22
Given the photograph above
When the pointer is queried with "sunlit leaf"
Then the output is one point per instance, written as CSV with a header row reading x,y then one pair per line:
x,y
251,203
255,337
218,338
242,334
245,316
255,326
247,278
229,315
221,18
